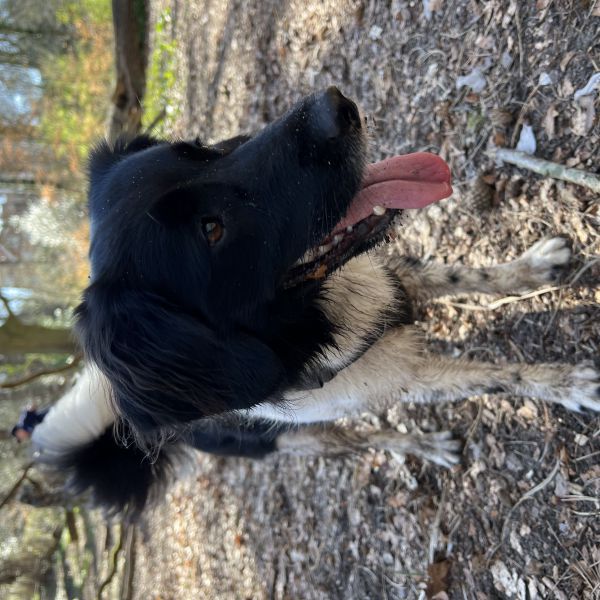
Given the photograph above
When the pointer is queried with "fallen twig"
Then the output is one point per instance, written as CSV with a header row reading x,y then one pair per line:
x,y
500,302
512,299
584,268
547,168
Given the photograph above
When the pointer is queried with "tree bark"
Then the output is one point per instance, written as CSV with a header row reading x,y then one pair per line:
x,y
131,50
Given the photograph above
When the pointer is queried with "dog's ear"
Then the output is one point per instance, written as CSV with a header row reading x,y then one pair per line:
x,y
104,155
167,367
103,161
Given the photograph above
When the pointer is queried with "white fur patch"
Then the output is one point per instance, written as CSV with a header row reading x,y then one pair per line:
x,y
79,417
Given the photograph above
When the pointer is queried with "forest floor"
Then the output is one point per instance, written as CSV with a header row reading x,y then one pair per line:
x,y
520,517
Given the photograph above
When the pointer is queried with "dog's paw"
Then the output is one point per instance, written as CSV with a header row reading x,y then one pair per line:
x,y
584,389
546,260
440,447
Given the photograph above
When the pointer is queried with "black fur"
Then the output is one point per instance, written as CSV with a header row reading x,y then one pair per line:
x,y
252,440
183,330
119,477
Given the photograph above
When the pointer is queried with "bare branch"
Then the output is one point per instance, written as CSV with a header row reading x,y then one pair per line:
x,y
7,306
29,378
158,119
15,488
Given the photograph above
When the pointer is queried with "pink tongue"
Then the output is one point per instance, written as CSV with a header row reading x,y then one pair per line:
x,y
408,181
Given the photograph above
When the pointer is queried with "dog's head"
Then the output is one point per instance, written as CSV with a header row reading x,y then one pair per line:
x,y
206,258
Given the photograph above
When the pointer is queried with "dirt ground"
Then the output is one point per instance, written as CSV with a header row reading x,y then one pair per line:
x,y
520,518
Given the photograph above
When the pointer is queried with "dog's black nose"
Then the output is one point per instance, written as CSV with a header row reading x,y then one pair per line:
x,y
333,114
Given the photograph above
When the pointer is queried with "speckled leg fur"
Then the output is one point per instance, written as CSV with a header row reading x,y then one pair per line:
x,y
329,440
398,368
541,264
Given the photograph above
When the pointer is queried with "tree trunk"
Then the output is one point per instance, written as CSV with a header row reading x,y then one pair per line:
x,y
131,50
17,337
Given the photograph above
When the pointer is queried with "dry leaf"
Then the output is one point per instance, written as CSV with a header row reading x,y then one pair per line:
x,y
430,6
507,581
501,118
438,577
566,59
549,121
584,116
528,411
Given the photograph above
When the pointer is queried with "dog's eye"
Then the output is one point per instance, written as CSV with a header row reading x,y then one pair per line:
x,y
213,230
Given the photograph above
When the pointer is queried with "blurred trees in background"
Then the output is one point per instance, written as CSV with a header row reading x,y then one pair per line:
x,y
56,77
56,69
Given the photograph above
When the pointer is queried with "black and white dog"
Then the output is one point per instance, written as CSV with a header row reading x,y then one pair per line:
x,y
231,291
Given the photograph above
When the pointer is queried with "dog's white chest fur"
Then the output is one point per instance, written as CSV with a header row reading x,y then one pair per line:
x,y
356,301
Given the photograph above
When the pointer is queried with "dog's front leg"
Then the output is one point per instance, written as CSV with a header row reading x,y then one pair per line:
x,y
397,368
439,378
540,265
332,440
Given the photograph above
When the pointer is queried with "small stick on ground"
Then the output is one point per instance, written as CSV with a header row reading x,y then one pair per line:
x,y
548,169
501,301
